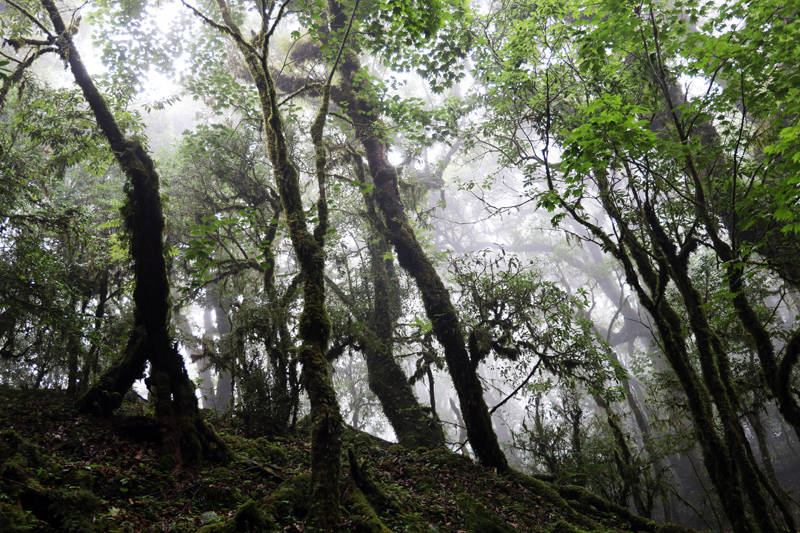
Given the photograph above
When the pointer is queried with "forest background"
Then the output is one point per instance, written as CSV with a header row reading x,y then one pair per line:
x,y
559,237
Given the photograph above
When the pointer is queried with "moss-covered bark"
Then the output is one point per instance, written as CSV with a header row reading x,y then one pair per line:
x,y
176,406
413,259
314,324
413,424
710,394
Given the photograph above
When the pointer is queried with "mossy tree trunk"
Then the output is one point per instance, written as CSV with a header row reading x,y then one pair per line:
x,y
279,344
414,425
758,231
412,258
701,170
186,436
625,461
709,393
314,324
93,354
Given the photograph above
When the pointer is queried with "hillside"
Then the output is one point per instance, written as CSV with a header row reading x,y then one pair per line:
x,y
62,471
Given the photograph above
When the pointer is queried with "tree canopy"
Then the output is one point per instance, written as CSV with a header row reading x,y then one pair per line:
x,y
557,237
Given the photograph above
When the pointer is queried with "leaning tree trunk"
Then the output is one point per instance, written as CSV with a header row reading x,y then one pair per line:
x,y
314,324
412,258
186,436
413,425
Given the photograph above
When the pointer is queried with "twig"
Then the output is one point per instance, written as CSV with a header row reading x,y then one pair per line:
x,y
515,391
301,90
216,25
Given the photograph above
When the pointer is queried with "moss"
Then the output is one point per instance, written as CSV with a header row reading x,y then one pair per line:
x,y
291,499
362,514
261,449
72,511
672,528
25,475
479,519
445,457
216,496
14,447
588,500
562,526
83,479
249,518
14,520
546,491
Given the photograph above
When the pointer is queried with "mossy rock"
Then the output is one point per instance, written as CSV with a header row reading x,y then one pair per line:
x,y
72,511
269,452
27,477
216,496
262,449
80,478
15,448
20,462
291,499
249,518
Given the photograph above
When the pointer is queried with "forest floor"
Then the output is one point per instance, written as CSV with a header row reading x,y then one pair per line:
x,y
66,472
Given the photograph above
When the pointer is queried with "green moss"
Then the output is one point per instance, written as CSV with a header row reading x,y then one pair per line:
x,y
562,526
261,449
672,528
14,448
14,520
249,518
588,500
363,515
83,479
445,457
291,499
28,477
479,519
216,496
548,493
72,511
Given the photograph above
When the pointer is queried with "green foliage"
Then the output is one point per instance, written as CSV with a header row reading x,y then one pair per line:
x,y
133,42
58,239
527,319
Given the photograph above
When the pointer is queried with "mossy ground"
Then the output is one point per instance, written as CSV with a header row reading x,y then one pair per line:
x,y
106,475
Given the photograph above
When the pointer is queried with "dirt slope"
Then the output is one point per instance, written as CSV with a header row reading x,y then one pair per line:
x,y
60,471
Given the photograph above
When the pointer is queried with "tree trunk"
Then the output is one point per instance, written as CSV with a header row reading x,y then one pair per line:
x,y
412,258
627,469
93,355
222,395
186,436
314,324
413,425
648,274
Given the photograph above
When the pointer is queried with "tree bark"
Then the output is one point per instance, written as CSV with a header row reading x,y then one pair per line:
x,y
314,324
412,258
413,425
185,435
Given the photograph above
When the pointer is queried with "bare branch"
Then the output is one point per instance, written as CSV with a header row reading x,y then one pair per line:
x,y
224,28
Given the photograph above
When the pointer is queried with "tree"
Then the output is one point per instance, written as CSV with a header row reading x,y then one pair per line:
x,y
362,110
600,92
186,436
314,323
413,424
